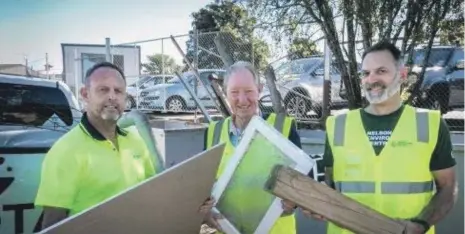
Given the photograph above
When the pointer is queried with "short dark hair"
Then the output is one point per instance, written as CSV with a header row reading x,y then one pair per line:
x,y
384,45
96,66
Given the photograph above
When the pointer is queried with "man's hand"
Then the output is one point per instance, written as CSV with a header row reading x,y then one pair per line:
x,y
210,217
207,206
413,228
288,207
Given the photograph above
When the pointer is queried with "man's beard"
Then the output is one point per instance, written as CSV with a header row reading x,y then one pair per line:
x,y
111,117
386,92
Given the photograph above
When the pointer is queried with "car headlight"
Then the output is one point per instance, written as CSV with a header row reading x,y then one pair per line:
x,y
156,93
447,78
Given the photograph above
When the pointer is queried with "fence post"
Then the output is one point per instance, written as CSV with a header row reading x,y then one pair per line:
x,y
253,51
108,56
196,65
76,74
327,83
163,71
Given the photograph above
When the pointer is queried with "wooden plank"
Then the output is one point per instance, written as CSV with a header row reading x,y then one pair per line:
x,y
288,184
223,101
166,203
275,95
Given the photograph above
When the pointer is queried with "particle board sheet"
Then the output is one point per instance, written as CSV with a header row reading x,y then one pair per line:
x,y
166,203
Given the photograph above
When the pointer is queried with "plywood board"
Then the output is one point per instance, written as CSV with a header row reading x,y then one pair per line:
x,y
167,203
294,186
241,187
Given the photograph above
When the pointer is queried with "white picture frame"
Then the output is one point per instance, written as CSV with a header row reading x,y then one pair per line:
x,y
302,163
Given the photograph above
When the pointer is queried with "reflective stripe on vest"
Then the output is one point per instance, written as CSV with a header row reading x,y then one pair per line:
x,y
217,132
422,120
386,187
278,125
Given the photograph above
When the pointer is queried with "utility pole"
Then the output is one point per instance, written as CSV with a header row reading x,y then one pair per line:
x,y
47,66
27,66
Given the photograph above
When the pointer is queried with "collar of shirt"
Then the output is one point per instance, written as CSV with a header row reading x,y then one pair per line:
x,y
93,132
235,132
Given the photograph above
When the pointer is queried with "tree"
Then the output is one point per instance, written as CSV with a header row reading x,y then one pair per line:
x,y
159,64
452,28
232,23
433,21
302,48
361,21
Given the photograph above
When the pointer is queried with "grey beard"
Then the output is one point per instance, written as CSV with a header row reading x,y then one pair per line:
x,y
110,117
386,93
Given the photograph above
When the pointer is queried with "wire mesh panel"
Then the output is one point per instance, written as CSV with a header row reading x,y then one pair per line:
x,y
151,69
437,82
209,54
151,65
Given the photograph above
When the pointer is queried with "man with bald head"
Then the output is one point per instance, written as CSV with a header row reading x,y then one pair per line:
x,y
242,88
96,159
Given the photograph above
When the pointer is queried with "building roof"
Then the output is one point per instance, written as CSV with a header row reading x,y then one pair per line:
x,y
18,69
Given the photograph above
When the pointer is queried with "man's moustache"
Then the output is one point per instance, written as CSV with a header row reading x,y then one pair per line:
x,y
376,85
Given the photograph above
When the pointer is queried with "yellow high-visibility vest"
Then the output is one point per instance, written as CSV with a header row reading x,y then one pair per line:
x,y
218,132
397,182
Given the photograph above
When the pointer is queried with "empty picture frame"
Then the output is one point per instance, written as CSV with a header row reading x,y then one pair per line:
x,y
239,192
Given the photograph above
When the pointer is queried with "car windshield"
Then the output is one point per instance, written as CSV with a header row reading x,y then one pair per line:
x,y
140,81
296,67
162,79
33,105
437,57
187,75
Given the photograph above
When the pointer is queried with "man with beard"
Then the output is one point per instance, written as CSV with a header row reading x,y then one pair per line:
x,y
242,87
388,155
96,159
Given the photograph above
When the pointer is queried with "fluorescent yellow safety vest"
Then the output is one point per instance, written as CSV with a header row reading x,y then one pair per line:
x,y
218,132
397,182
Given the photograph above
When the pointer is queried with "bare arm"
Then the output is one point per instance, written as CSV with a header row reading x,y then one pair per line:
x,y
444,199
53,215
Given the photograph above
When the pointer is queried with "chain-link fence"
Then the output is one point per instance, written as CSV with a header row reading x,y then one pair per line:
x,y
312,88
436,82
152,67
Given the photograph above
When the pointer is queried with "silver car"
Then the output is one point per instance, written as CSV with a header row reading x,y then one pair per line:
x,y
173,96
34,114
300,83
133,90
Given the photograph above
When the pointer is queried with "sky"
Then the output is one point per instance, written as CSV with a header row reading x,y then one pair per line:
x,y
32,28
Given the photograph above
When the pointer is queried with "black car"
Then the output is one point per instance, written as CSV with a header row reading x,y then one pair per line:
x,y
442,85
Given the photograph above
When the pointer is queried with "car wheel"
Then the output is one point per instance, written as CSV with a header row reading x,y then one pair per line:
x,y
437,103
438,98
296,105
130,103
175,104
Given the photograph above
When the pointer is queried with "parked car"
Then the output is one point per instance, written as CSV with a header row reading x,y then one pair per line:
x,y
174,97
442,86
300,83
142,83
34,113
